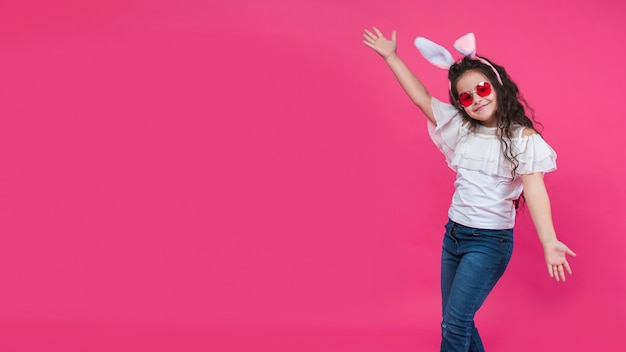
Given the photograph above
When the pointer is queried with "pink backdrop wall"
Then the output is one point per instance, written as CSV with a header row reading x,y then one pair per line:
x,y
248,176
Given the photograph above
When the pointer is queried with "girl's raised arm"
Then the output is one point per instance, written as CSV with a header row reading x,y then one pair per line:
x,y
411,85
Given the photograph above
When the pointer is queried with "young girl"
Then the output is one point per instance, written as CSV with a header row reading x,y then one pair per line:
x,y
489,141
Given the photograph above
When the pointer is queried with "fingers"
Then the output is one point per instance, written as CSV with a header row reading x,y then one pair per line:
x,y
561,273
551,271
377,41
567,267
556,258
557,272
369,39
377,35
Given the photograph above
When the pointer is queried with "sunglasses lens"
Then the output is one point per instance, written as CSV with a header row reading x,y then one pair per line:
x,y
483,89
465,99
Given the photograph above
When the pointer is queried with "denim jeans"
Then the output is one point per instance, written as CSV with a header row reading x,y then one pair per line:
x,y
472,261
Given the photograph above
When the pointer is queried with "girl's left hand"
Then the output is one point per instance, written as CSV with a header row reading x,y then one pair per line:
x,y
555,253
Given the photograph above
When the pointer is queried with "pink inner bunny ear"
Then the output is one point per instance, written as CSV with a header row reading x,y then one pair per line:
x,y
434,53
466,45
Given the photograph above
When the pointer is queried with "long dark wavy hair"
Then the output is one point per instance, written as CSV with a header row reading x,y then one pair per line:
x,y
512,108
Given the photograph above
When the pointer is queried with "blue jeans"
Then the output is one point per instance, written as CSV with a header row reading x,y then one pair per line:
x,y
472,261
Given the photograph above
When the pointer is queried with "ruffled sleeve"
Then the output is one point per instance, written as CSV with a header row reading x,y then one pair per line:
x,y
481,150
483,153
449,129
535,155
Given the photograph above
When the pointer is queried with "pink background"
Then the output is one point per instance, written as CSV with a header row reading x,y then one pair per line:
x,y
246,175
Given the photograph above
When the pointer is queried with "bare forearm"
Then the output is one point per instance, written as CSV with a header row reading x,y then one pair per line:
x,y
411,85
538,202
541,213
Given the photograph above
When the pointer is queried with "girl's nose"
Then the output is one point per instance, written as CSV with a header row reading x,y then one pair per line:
x,y
476,98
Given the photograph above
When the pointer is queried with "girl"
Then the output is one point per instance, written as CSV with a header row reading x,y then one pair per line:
x,y
492,145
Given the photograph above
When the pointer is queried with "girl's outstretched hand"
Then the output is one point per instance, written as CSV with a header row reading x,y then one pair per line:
x,y
379,43
555,253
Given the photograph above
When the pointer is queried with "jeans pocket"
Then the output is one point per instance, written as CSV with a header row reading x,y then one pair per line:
x,y
500,240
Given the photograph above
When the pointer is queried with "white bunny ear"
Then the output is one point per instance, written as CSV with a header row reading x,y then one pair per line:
x,y
434,53
466,45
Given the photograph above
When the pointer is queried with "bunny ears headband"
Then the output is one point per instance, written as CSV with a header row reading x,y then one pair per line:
x,y
440,57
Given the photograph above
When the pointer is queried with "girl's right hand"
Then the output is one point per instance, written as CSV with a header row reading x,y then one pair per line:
x,y
556,253
377,41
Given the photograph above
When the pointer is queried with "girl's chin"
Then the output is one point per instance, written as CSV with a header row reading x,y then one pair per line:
x,y
487,122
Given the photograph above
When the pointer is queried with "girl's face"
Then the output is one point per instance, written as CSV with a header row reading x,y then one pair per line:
x,y
481,108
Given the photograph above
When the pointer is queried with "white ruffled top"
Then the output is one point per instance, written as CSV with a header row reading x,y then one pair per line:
x,y
484,194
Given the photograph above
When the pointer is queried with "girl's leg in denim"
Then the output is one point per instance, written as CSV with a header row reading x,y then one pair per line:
x,y
472,262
